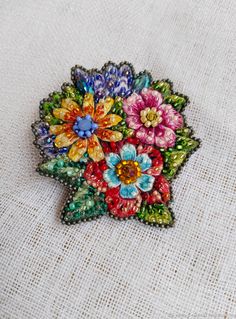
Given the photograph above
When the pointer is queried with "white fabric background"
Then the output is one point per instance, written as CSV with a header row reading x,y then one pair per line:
x,y
110,269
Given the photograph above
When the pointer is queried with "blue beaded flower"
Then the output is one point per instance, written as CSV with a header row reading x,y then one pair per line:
x,y
111,80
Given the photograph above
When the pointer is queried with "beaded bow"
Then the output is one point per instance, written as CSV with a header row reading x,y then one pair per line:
x,y
116,139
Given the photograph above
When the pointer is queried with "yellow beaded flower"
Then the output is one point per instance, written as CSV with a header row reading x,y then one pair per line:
x,y
84,126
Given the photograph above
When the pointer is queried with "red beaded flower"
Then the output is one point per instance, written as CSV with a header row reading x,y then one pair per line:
x,y
118,187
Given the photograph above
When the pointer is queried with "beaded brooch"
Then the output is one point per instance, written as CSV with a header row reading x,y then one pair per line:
x,y
116,139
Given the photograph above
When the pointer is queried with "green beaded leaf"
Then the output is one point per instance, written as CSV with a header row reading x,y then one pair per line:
x,y
70,91
63,169
163,86
156,214
175,157
87,203
173,160
48,105
117,108
185,141
177,101
54,101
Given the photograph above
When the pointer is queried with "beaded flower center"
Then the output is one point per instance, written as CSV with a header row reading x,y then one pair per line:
x,y
128,171
150,117
84,126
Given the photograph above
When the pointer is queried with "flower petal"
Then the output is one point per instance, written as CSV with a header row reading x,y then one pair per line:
x,y
112,160
133,104
63,114
163,187
171,118
128,191
77,150
108,135
144,161
102,108
88,104
134,122
128,152
146,135
111,178
109,120
145,182
157,166
71,105
58,129
121,207
94,149
165,137
94,175
151,97
155,156
65,139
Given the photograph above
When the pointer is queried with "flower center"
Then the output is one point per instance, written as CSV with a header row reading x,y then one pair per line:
x,y
128,171
150,117
84,126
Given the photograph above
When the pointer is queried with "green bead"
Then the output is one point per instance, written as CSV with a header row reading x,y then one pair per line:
x,y
90,203
162,86
72,206
178,102
50,166
60,163
70,172
47,107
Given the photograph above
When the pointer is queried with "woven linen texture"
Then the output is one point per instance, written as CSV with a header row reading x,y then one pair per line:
x,y
106,268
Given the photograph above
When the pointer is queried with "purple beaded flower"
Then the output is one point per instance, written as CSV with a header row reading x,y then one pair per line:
x,y
44,140
112,80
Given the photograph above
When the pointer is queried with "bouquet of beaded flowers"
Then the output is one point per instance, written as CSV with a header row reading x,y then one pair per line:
x,y
116,139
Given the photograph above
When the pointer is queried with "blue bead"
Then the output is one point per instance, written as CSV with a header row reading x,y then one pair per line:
x,y
113,70
88,133
78,118
130,81
88,117
91,90
81,133
94,126
63,150
98,77
117,83
85,125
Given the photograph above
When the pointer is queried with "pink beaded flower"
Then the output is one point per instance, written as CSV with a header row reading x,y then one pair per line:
x,y
154,122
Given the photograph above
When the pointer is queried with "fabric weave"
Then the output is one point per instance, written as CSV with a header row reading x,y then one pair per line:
x,y
108,268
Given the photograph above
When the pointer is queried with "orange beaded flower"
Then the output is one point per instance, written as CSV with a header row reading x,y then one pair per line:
x,y
84,126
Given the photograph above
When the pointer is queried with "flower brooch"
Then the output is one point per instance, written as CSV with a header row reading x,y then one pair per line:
x,y
116,139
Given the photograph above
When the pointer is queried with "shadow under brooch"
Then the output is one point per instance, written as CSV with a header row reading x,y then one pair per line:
x,y
116,139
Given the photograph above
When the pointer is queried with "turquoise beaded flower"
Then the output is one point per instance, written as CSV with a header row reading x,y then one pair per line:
x,y
129,171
